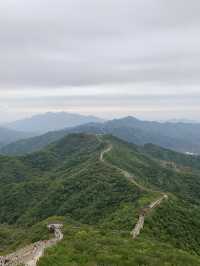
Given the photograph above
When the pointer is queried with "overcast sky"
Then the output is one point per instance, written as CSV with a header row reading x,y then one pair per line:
x,y
102,57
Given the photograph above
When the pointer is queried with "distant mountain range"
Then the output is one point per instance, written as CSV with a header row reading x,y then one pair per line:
x,y
8,135
43,123
183,120
180,137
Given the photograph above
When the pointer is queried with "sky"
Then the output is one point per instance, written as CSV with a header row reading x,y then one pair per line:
x,y
108,58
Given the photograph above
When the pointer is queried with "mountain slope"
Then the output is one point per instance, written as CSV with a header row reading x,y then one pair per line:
x,y
89,246
177,160
180,137
25,146
7,136
58,180
80,179
51,121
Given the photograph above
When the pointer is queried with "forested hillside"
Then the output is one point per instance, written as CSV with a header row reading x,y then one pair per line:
x,y
99,204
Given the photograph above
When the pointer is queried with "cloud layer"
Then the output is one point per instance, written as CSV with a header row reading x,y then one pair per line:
x,y
93,47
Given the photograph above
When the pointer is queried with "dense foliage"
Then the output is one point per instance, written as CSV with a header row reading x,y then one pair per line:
x,y
89,246
153,173
183,161
65,179
99,205
175,222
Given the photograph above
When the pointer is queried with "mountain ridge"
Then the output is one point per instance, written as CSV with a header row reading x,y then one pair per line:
x,y
50,121
179,137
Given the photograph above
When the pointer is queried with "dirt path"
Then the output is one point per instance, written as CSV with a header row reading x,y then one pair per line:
x,y
140,223
30,255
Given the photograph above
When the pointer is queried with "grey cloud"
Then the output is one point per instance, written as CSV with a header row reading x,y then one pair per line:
x,y
57,43
52,44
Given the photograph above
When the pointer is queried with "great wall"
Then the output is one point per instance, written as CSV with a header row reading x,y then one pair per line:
x,y
30,255
145,211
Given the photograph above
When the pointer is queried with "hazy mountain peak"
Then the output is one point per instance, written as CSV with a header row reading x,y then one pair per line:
x,y
51,121
130,118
